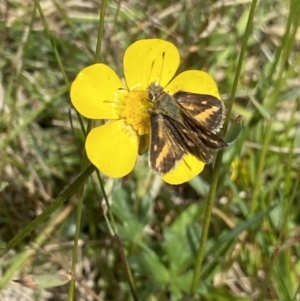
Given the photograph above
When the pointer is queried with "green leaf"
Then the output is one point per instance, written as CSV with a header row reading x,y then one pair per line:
x,y
234,131
44,281
150,265
223,294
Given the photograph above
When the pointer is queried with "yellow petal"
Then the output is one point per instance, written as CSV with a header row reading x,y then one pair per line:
x,y
112,148
148,61
185,170
93,92
193,81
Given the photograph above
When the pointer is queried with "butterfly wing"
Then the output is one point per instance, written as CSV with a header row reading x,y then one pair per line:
x,y
170,141
207,110
207,137
165,152
204,116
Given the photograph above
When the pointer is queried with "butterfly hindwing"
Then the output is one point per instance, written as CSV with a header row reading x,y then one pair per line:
x,y
208,138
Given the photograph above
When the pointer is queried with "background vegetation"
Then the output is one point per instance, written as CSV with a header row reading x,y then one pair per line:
x,y
252,249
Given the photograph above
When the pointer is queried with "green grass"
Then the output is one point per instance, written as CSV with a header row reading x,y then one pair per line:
x,y
250,250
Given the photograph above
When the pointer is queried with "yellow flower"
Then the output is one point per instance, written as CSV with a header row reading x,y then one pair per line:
x,y
98,93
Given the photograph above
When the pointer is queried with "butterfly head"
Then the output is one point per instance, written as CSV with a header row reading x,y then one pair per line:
x,y
154,91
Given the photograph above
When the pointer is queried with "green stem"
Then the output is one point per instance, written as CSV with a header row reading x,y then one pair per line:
x,y
217,167
275,255
84,163
205,228
100,30
240,63
52,41
126,267
284,51
111,218
77,234
261,164
61,67
274,95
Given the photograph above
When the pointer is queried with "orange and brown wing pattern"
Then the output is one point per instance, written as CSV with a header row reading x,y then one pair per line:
x,y
207,137
164,149
183,123
170,141
208,110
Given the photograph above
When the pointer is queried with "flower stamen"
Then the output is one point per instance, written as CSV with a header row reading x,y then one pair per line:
x,y
134,110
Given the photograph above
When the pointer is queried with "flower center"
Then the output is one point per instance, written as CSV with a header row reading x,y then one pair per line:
x,y
134,110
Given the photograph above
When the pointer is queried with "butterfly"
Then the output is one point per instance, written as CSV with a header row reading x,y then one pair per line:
x,y
183,123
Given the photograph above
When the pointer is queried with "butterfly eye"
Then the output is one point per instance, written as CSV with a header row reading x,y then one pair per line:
x,y
151,95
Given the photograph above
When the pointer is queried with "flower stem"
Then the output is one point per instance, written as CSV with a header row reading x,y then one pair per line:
x,y
100,30
84,164
205,228
85,161
58,59
77,233
217,166
126,267
111,218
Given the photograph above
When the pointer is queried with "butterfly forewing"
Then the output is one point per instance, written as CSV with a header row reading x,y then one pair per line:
x,y
164,149
208,110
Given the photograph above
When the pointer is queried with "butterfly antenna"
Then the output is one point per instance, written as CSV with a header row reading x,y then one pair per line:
x,y
162,66
150,73
161,69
